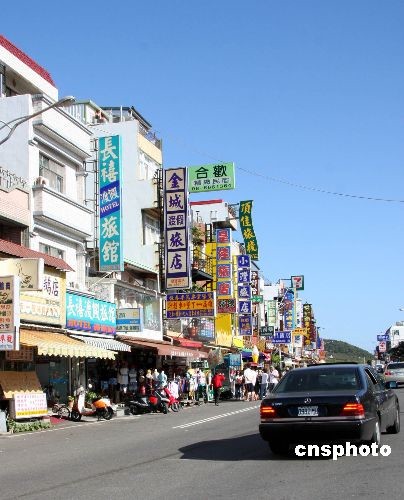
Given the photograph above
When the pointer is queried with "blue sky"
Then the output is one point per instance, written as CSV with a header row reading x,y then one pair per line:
x,y
310,92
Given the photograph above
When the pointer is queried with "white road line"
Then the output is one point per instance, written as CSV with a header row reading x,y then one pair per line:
x,y
209,419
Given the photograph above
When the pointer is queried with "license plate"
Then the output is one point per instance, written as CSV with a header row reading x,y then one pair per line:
x,y
307,411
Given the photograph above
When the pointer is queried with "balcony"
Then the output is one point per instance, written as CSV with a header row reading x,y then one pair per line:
x,y
52,207
61,127
202,266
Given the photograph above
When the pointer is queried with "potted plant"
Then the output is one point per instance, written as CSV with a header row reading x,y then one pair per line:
x,y
70,402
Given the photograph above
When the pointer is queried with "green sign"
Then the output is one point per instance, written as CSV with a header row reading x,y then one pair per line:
x,y
212,177
257,298
247,229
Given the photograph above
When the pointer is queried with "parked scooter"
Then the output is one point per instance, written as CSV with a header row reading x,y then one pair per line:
x,y
173,402
100,407
147,404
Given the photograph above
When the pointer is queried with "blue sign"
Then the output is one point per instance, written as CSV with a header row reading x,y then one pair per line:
x,y
384,337
244,276
110,211
284,337
90,315
243,261
245,325
244,292
244,306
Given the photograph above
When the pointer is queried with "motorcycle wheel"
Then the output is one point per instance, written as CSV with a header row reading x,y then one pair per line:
x,y
175,407
134,410
108,413
164,408
75,416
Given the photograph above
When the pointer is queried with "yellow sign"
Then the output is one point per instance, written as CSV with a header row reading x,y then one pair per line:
x,y
300,331
223,330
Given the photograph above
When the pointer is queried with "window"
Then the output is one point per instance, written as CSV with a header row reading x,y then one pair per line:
x,y
2,80
52,251
147,166
53,172
151,230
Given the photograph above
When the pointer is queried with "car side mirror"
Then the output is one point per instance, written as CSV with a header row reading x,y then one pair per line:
x,y
392,384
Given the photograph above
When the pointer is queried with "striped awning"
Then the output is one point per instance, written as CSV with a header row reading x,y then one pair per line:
x,y
58,344
103,343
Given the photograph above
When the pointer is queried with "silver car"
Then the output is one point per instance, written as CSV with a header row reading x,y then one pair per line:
x,y
395,371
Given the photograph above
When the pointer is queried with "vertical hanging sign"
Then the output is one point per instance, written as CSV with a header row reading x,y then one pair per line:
x,y
247,229
9,313
110,206
224,272
176,229
244,294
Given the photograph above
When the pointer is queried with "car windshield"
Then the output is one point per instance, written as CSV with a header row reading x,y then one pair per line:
x,y
395,366
319,379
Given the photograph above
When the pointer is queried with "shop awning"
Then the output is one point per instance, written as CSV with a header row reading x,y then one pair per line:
x,y
103,343
57,344
11,382
188,343
166,349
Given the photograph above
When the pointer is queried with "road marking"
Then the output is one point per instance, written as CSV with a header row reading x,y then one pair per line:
x,y
209,419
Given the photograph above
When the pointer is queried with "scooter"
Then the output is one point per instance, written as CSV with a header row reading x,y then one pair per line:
x,y
100,407
173,402
147,404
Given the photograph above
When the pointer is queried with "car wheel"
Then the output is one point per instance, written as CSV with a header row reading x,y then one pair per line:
x,y
395,428
376,437
279,447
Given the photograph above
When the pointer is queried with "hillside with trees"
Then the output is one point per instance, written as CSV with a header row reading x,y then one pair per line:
x,y
337,350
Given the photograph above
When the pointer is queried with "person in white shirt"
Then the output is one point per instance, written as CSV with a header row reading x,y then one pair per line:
x,y
273,377
250,377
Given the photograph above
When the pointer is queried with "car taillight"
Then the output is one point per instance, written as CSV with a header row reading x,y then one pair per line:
x,y
387,373
353,410
267,411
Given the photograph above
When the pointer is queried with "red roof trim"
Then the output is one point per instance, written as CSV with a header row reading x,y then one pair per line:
x,y
188,343
207,202
23,57
15,250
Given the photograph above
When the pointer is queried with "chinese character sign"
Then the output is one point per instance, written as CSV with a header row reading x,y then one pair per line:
x,y
9,313
247,229
176,228
224,268
90,315
110,201
213,177
190,305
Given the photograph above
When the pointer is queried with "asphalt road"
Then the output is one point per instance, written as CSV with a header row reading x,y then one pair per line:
x,y
201,452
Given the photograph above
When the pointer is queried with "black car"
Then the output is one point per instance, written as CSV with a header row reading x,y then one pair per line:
x,y
329,403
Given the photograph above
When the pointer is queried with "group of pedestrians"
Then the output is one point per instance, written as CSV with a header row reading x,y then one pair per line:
x,y
253,384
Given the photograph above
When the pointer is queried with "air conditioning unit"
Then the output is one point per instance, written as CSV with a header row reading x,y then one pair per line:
x,y
41,181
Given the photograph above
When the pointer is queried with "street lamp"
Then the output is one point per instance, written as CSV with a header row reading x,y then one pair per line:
x,y
65,101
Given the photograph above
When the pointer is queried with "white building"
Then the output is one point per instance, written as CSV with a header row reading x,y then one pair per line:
x,y
49,152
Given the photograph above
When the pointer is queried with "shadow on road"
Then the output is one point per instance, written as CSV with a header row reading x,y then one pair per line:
x,y
250,447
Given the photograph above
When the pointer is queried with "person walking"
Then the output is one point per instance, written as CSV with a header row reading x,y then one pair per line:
x,y
238,385
217,384
264,383
273,377
249,382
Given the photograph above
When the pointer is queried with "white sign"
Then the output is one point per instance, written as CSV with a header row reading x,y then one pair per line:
x,y
382,346
30,404
9,313
30,272
129,320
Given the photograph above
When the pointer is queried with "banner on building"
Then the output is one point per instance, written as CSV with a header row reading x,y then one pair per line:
x,y
48,305
212,177
87,314
30,272
129,320
297,282
110,203
226,306
288,312
245,325
247,229
224,268
176,229
9,313
190,305
282,337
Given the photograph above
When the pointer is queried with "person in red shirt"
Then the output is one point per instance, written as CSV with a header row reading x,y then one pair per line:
x,y
217,384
